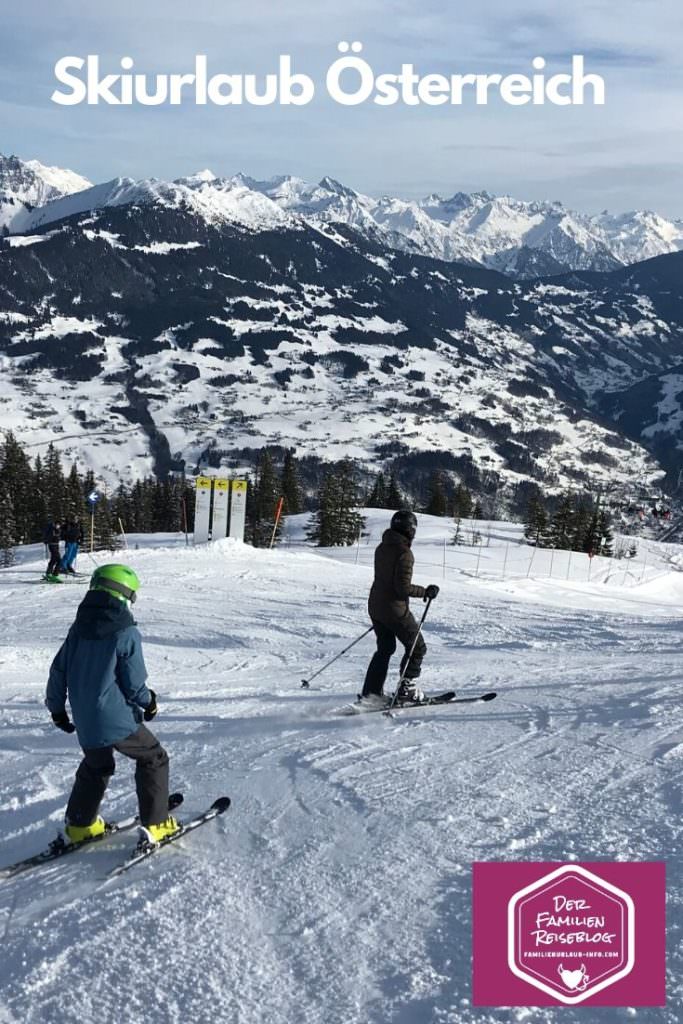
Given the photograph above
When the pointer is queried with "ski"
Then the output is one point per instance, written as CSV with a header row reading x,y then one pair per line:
x,y
448,697
146,849
60,846
65,580
441,698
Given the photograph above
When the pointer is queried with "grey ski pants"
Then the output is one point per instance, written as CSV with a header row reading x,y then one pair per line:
x,y
98,766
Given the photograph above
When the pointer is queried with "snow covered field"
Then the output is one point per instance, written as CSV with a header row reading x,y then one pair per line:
x,y
337,888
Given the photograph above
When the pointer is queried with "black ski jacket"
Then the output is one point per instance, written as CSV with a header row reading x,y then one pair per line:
x,y
52,534
72,533
393,584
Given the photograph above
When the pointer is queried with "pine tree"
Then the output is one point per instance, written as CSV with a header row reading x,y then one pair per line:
x,y
561,527
351,522
262,508
38,507
378,495
177,489
106,535
337,522
598,538
8,530
165,507
536,523
17,482
605,535
291,486
121,508
462,503
323,523
75,499
583,527
55,486
437,503
142,510
394,500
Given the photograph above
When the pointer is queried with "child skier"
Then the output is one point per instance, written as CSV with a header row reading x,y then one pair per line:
x,y
100,669
390,613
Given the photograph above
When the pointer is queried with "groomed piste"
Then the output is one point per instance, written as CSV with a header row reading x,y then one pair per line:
x,y
337,888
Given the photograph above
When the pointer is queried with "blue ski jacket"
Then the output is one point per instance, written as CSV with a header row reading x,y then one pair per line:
x,y
100,668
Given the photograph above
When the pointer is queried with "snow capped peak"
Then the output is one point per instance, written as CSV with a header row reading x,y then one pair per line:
x,y
60,179
198,178
27,184
281,184
332,185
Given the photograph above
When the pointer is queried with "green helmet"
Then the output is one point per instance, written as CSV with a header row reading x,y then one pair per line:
x,y
117,580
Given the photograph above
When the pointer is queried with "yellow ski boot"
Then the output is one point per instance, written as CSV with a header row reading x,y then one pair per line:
x,y
78,833
165,828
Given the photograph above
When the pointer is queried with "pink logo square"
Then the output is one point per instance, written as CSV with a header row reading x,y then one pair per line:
x,y
566,934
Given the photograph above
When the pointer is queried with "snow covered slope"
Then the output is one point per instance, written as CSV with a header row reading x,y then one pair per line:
x,y
653,411
337,888
215,202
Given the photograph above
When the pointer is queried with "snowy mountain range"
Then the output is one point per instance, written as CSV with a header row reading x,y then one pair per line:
x,y
523,239
155,324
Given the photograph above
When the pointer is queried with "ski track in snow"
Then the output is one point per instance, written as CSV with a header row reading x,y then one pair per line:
x,y
337,888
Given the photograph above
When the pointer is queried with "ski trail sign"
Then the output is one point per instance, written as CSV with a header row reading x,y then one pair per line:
x,y
219,522
238,508
202,510
220,508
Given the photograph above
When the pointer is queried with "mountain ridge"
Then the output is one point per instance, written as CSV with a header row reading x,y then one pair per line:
x,y
520,238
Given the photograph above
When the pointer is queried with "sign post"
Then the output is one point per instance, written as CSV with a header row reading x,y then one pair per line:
x,y
202,509
220,508
93,498
277,523
219,520
238,509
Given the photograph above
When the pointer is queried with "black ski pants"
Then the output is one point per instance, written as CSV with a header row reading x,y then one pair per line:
x,y
55,560
97,767
404,630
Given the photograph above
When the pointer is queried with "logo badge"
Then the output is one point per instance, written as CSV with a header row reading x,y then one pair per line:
x,y
568,934
571,934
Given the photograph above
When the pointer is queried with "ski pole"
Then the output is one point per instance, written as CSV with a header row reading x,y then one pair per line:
x,y
412,650
305,682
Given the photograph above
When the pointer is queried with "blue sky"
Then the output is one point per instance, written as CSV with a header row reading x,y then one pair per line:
x,y
626,154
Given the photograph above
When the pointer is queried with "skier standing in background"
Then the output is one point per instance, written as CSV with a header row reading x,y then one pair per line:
x,y
389,610
72,535
52,535
100,669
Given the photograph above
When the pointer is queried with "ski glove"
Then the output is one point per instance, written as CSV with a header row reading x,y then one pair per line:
x,y
62,721
151,709
431,592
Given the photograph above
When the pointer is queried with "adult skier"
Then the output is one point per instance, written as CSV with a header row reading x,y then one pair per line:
x,y
100,669
52,536
390,613
72,535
